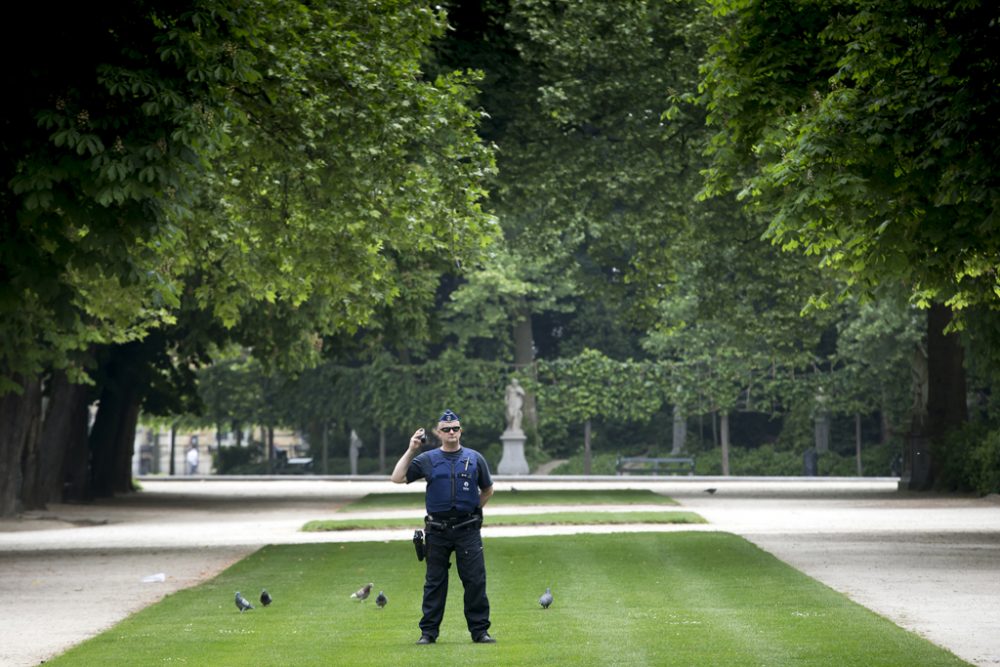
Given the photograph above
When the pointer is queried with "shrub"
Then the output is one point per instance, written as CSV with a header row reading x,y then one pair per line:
x,y
600,464
970,460
769,461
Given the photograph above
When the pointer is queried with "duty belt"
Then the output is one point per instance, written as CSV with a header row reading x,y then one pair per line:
x,y
458,523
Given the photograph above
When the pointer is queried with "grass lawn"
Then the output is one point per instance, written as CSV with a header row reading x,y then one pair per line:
x,y
686,598
402,501
546,519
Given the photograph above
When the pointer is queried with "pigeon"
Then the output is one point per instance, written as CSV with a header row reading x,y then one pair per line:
x,y
712,490
242,603
381,599
546,598
363,592
265,598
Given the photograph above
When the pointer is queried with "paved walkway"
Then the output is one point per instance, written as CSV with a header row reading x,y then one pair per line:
x,y
929,563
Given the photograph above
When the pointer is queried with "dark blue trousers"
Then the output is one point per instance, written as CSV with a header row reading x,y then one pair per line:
x,y
467,545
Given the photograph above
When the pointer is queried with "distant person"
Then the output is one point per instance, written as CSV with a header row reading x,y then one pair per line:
x,y
192,458
458,486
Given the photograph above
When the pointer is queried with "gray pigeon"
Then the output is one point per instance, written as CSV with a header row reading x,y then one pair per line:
x,y
265,598
242,603
363,592
381,599
546,598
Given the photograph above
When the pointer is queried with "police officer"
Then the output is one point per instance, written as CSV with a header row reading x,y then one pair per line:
x,y
458,486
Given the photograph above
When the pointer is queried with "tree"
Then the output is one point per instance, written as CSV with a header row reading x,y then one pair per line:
x,y
733,329
267,162
864,134
873,365
591,385
591,186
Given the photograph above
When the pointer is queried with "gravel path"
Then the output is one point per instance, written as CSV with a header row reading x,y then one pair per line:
x,y
929,563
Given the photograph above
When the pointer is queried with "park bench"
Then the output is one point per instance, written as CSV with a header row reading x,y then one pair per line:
x,y
655,465
302,465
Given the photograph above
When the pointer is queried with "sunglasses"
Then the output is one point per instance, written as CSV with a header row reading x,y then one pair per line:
x,y
450,429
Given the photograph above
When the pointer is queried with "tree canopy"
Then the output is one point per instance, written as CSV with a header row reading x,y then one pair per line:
x,y
864,132
247,152
277,169
642,209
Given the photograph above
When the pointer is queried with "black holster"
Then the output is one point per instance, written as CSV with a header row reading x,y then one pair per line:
x,y
418,544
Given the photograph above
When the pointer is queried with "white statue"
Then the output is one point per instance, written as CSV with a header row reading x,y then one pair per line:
x,y
355,448
515,402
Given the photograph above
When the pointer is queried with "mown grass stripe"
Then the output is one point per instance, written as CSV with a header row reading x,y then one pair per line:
x,y
683,598
507,498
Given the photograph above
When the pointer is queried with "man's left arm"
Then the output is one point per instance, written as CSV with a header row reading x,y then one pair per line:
x,y
485,482
485,495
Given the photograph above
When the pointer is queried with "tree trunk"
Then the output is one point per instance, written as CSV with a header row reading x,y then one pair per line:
x,y
125,447
884,421
30,463
326,448
112,438
821,433
173,450
269,448
123,377
724,441
77,481
857,442
381,451
946,401
586,447
19,417
524,356
154,466
680,431
64,432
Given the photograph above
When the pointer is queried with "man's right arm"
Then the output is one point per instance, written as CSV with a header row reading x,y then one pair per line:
x,y
402,465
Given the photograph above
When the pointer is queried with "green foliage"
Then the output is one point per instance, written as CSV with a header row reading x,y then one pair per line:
x,y
384,394
763,461
770,461
504,287
592,385
592,186
699,597
216,156
602,463
240,460
971,460
232,392
862,133
103,157
872,366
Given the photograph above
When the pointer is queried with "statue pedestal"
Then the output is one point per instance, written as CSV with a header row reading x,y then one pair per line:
x,y
513,462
